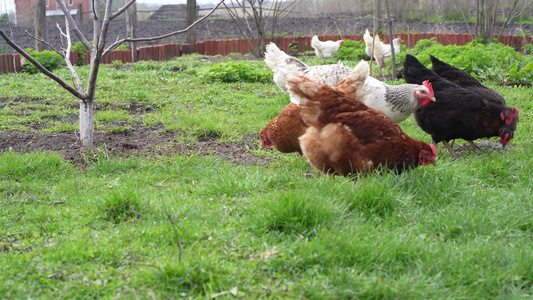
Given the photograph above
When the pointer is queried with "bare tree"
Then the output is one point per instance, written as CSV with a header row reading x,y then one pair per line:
x,y
97,50
264,14
486,13
39,22
514,13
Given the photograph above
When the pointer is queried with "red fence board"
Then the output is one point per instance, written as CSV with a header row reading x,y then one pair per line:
x,y
10,63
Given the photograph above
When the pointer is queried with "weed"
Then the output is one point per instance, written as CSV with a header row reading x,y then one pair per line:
x,y
117,64
122,204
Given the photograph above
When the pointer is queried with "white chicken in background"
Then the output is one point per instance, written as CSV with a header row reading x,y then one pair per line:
x,y
325,49
383,51
283,64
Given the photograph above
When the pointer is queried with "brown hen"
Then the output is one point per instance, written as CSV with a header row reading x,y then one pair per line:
x,y
284,130
345,136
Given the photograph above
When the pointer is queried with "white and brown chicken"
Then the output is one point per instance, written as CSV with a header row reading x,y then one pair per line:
x,y
397,101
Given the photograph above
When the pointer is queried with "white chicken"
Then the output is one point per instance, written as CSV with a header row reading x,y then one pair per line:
x,y
397,101
325,49
283,64
383,51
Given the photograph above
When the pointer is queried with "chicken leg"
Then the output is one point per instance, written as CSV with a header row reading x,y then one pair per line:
x,y
450,149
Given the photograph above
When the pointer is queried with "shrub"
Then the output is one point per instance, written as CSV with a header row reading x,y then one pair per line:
x,y
49,59
293,48
231,71
495,61
352,50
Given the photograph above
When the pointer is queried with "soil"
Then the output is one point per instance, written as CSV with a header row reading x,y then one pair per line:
x,y
139,141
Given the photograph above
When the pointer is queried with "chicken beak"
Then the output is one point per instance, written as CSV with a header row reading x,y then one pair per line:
x,y
434,163
432,99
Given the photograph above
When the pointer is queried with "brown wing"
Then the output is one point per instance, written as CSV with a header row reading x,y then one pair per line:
x,y
369,125
364,122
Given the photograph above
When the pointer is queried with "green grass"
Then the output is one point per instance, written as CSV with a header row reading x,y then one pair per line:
x,y
459,230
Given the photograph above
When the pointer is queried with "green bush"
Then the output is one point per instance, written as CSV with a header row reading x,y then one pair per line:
x,y
352,50
231,71
49,59
78,46
496,62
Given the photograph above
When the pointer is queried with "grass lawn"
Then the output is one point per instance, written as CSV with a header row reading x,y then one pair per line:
x,y
198,225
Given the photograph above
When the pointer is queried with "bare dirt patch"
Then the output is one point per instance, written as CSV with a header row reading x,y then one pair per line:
x,y
140,141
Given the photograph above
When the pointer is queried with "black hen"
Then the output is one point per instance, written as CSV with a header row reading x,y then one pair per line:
x,y
465,80
458,112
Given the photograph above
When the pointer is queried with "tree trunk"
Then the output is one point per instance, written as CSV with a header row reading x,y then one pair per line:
x,y
378,14
79,15
191,17
487,11
39,22
131,25
86,123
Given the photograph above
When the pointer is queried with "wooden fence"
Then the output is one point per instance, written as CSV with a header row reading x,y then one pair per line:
x,y
10,63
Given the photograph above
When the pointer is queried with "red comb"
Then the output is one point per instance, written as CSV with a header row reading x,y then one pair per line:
x,y
433,150
429,86
508,116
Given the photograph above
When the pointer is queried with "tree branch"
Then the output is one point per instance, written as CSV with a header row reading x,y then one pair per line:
x,y
122,9
105,24
44,42
66,57
128,39
114,46
54,77
73,25
176,32
96,16
513,15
